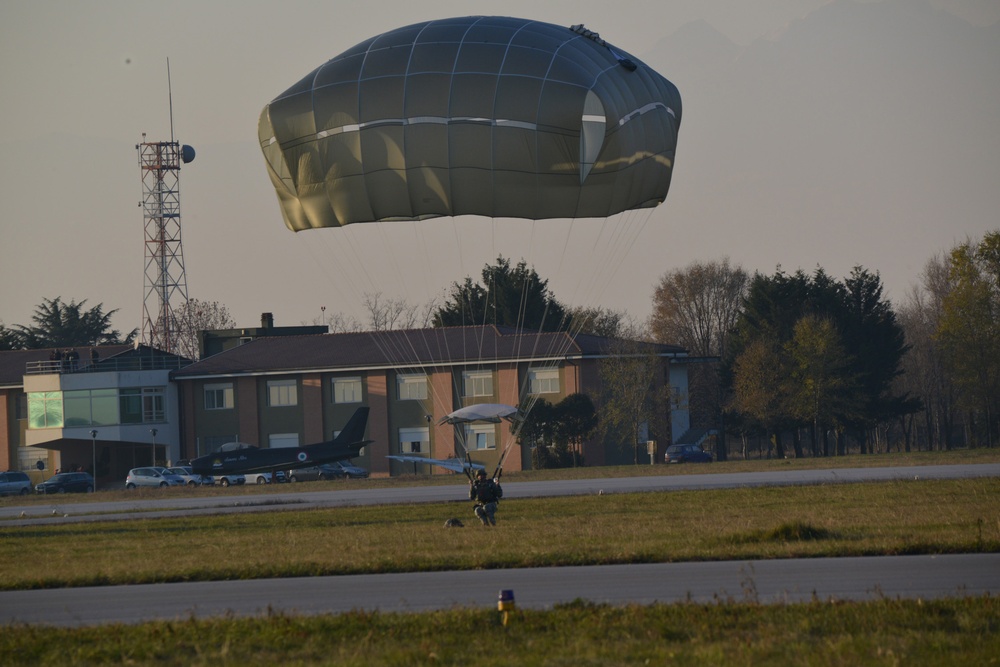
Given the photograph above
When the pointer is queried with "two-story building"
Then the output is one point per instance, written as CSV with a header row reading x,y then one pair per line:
x,y
290,391
126,406
108,408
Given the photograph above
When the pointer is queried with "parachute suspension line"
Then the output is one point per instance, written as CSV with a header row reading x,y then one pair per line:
x,y
331,258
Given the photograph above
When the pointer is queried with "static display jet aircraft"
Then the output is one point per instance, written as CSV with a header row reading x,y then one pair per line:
x,y
239,458
454,464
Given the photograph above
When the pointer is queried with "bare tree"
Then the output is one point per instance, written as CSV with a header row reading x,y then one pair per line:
x,y
387,314
341,323
194,316
924,374
697,307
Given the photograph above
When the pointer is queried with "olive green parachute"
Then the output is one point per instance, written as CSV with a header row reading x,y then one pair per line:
x,y
490,116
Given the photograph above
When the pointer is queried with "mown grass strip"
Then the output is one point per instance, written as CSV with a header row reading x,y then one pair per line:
x,y
883,632
901,517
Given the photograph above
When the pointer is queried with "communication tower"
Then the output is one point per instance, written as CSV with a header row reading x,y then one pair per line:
x,y
164,283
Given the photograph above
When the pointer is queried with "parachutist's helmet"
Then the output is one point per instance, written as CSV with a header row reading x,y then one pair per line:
x,y
481,474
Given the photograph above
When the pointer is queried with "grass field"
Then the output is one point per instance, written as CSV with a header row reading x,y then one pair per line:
x,y
908,517
830,520
884,632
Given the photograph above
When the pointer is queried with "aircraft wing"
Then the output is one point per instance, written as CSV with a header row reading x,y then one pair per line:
x,y
249,459
455,464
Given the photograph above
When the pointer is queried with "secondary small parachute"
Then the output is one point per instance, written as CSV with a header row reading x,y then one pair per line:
x,y
490,116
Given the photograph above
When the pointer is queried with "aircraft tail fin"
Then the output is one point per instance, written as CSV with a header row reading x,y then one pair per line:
x,y
353,432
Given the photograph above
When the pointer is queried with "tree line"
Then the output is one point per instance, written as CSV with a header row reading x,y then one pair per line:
x,y
808,364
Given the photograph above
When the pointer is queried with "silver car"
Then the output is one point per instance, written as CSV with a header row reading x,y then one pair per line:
x,y
152,476
190,478
14,483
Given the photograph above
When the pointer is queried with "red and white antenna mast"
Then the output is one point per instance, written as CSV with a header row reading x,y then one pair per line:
x,y
164,283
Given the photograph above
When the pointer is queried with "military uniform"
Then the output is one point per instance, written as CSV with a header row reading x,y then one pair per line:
x,y
487,493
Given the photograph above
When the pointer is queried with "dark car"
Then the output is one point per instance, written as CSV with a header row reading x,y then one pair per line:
x,y
14,483
348,469
686,454
67,482
336,470
312,473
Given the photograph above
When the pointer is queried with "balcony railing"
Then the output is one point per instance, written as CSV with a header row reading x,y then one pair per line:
x,y
157,363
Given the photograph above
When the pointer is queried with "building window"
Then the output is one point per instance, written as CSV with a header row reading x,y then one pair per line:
x,y
276,440
411,387
211,443
152,405
347,390
130,405
219,396
543,380
477,383
414,441
45,409
91,407
480,436
282,393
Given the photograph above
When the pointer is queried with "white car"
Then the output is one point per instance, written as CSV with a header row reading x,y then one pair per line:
x,y
266,477
229,479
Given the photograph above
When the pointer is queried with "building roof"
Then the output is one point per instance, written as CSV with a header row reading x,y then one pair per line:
x,y
14,363
402,348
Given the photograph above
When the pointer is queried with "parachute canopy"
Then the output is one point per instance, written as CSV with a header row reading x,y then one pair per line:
x,y
481,412
490,116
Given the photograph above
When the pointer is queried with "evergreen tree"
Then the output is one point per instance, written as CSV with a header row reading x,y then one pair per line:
x,y
515,297
58,324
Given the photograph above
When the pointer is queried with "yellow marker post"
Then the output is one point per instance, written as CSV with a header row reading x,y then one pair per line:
x,y
505,604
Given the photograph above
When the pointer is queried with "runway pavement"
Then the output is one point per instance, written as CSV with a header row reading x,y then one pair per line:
x,y
773,581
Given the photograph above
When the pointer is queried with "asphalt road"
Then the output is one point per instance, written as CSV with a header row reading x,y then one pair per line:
x,y
758,581
180,504
763,581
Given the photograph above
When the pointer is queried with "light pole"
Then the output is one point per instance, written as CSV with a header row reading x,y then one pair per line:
x,y
152,431
93,451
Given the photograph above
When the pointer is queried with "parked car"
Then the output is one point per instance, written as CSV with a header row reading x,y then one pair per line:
x,y
278,477
230,479
312,473
348,469
190,478
67,482
686,454
14,483
338,470
152,476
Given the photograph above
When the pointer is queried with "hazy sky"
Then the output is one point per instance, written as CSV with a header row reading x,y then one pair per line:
x,y
80,82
